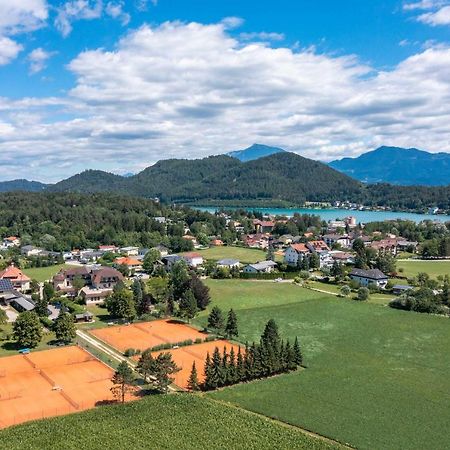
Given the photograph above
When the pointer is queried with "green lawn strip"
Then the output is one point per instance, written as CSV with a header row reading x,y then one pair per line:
x,y
433,268
375,378
178,421
243,254
42,274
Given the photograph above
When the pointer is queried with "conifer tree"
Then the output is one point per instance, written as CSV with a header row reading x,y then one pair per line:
x,y
298,357
224,375
290,363
216,369
240,369
231,328
232,372
215,319
122,381
207,370
193,384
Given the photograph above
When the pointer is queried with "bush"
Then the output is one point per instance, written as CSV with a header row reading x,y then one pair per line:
x,y
46,322
129,352
198,341
363,294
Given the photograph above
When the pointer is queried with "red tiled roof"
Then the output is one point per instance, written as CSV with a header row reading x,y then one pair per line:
x,y
300,248
13,273
128,261
190,255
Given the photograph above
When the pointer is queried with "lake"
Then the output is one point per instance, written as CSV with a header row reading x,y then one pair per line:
x,y
336,213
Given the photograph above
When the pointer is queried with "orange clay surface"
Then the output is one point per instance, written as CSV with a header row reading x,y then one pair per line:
x,y
184,357
146,334
51,383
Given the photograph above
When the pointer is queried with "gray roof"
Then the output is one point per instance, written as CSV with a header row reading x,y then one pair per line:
x,y
26,304
173,258
228,262
372,274
263,265
402,287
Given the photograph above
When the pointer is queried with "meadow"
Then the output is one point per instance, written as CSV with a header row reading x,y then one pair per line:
x,y
375,378
42,274
434,268
243,254
162,422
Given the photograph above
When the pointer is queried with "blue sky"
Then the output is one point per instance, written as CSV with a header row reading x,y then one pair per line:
x,y
117,85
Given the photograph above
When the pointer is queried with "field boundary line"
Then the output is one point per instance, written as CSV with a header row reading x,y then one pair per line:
x,y
284,424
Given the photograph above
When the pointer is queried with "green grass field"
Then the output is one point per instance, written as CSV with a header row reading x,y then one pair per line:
x,y
8,346
179,421
42,274
244,255
377,378
433,268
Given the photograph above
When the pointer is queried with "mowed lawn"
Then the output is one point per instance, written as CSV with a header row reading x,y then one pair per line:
x,y
42,274
376,377
244,255
433,268
177,421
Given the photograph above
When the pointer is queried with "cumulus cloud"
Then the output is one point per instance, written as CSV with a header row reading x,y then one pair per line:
x,y
190,90
438,11
76,10
115,10
15,18
9,49
38,59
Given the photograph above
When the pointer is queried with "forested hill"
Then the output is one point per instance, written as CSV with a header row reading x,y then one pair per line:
x,y
402,166
282,176
22,185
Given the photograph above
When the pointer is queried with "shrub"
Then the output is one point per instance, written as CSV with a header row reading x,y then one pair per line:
x,y
363,294
129,352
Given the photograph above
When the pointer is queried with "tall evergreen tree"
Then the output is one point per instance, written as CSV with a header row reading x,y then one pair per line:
x,y
188,305
231,328
232,369
41,303
215,319
137,291
216,369
207,369
193,384
298,357
240,368
145,364
201,292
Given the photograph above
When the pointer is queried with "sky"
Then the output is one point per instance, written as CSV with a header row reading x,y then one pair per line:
x,y
118,85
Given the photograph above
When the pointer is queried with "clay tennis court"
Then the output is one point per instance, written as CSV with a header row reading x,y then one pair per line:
x,y
185,356
51,383
145,335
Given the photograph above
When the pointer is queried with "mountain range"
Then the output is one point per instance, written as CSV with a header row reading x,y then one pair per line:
x,y
398,166
249,177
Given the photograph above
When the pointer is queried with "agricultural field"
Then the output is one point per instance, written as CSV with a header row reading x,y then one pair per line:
x,y
184,421
376,377
434,268
244,255
42,274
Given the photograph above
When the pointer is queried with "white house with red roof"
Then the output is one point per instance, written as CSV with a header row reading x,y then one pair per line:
x,y
10,241
193,259
18,279
295,253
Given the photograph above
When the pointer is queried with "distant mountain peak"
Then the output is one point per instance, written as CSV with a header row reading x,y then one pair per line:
x,y
255,151
396,165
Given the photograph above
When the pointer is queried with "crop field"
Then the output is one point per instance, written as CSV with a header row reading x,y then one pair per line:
x,y
163,422
376,377
184,357
433,268
145,335
51,383
42,274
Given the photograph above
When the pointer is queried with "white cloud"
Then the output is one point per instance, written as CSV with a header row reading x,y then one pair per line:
x,y
189,90
38,59
115,10
9,49
263,36
18,17
76,10
440,17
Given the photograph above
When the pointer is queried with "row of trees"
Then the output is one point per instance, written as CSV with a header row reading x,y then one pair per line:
x,y
216,322
269,357
28,329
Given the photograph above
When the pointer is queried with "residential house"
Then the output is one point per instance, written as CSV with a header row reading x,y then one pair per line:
x,y
10,241
263,226
342,257
105,278
371,277
260,267
216,243
131,263
256,240
404,245
341,239
30,250
228,263
108,248
399,289
94,296
170,260
193,239
160,219
193,259
17,278
162,249
130,251
385,246
295,253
